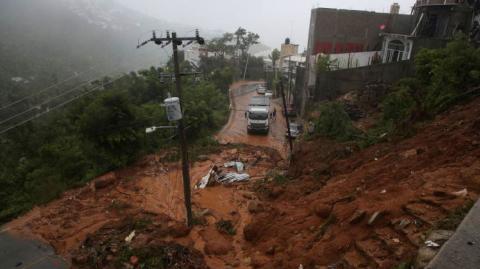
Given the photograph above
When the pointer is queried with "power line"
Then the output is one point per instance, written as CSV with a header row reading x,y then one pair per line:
x,y
45,89
57,106
34,107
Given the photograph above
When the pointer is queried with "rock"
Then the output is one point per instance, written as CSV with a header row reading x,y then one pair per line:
x,y
410,153
322,169
270,251
248,196
247,261
218,247
259,261
276,192
374,217
357,217
134,260
104,181
140,241
250,232
322,210
254,207
203,158
81,259
178,230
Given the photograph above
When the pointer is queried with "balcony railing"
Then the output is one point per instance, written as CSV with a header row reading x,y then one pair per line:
x,y
422,3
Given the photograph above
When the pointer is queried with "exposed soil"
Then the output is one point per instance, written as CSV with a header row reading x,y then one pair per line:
x,y
316,216
321,217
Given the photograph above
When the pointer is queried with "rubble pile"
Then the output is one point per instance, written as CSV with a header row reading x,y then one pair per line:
x,y
142,241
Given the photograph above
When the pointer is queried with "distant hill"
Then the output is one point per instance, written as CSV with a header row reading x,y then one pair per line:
x,y
45,41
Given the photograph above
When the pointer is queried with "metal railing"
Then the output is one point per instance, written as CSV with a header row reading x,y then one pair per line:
x,y
422,3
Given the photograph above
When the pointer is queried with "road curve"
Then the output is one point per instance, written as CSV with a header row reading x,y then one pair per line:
x,y
235,131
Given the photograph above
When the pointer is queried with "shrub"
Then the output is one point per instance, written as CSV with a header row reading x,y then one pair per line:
x,y
334,123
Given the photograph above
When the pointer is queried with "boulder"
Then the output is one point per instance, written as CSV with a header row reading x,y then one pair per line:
x,y
254,207
321,210
218,247
105,180
178,230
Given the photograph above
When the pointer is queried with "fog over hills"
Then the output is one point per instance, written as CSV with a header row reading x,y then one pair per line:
x,y
45,41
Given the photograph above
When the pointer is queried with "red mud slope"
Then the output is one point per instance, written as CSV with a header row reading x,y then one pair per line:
x,y
369,209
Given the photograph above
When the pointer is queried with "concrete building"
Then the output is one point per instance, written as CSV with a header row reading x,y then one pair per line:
x,y
442,19
351,33
395,8
355,39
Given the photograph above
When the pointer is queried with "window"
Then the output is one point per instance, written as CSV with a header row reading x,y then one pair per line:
x,y
395,51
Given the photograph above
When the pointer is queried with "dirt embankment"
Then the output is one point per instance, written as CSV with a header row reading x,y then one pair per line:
x,y
342,208
368,209
88,225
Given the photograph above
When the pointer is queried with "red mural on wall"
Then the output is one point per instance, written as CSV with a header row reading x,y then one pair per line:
x,y
329,47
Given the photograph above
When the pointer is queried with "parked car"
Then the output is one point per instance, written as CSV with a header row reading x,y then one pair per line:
x,y
295,130
261,90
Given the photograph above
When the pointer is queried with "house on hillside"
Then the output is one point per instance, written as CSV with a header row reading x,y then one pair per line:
x,y
353,39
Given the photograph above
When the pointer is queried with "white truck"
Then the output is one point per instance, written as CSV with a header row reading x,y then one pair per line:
x,y
258,119
258,115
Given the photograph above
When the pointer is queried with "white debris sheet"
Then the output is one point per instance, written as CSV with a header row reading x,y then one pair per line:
x,y
233,177
215,175
238,165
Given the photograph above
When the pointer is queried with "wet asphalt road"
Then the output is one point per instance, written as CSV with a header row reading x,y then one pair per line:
x,y
21,253
236,129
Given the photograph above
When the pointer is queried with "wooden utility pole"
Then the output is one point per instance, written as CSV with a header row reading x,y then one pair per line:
x,y
183,140
177,41
285,112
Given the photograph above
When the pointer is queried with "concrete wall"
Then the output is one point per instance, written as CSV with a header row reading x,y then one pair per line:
x,y
341,31
353,60
333,84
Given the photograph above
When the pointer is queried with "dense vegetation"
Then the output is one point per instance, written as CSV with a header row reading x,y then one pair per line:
x,y
443,78
101,132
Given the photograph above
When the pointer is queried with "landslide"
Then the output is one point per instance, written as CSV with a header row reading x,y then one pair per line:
x,y
347,208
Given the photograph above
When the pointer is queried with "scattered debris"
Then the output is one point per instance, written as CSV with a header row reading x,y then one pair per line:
x,y
431,244
233,177
130,237
410,153
462,193
216,175
431,247
374,217
238,165
357,217
206,179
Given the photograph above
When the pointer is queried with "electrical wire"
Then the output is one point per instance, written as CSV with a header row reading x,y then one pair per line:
x,y
45,89
57,106
34,107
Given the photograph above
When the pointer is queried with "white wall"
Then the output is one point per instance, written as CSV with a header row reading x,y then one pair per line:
x,y
353,60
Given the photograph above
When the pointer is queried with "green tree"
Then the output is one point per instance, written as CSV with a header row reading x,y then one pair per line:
x,y
110,123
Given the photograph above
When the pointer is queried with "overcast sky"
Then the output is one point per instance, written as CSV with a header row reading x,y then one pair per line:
x,y
273,20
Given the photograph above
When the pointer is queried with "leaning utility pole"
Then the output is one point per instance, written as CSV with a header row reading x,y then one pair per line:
x,y
177,41
285,112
